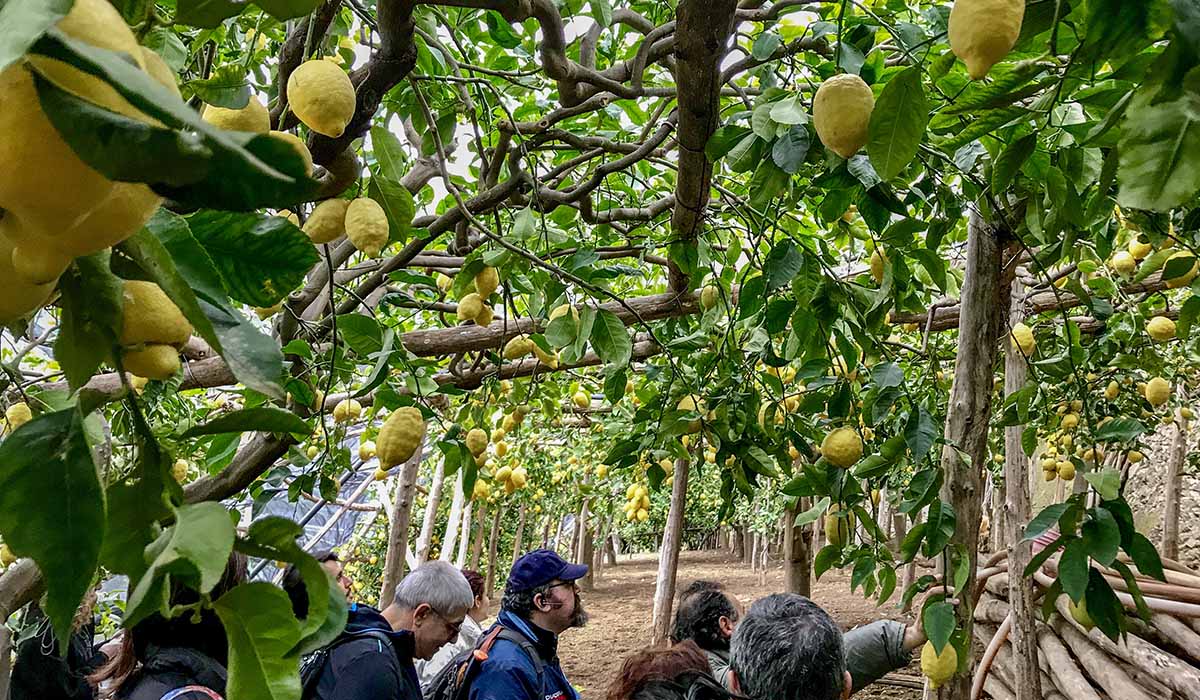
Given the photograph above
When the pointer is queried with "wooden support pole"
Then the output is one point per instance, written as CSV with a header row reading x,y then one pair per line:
x,y
1174,490
668,557
431,509
455,519
519,537
401,516
477,545
493,543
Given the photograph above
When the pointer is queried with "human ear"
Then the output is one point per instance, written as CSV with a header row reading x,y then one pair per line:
x,y
734,685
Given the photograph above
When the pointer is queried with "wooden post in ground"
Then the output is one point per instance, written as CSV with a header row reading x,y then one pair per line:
x,y
493,542
1174,489
797,542
519,537
464,539
546,520
738,546
401,516
455,519
984,297
1016,512
668,557
431,509
477,545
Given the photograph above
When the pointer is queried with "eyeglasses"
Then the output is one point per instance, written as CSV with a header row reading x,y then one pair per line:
x,y
574,585
450,626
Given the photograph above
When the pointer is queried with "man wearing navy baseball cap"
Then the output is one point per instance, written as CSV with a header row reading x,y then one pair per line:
x,y
541,601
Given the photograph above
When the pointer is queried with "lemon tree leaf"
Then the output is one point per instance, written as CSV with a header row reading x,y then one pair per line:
x,y
611,339
386,188
262,635
22,22
898,123
260,258
362,333
938,620
207,13
52,508
227,87
287,9
91,317
1159,153
265,418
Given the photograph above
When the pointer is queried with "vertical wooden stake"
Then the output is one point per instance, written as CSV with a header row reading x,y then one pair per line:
x,y
668,557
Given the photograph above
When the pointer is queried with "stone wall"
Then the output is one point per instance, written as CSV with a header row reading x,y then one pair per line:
x,y
1146,493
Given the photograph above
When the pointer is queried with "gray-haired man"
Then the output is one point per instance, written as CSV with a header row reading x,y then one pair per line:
x,y
373,658
788,648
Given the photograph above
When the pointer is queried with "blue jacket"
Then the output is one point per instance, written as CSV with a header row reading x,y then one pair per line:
x,y
364,669
509,673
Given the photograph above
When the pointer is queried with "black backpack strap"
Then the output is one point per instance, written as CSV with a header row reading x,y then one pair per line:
x,y
309,684
526,645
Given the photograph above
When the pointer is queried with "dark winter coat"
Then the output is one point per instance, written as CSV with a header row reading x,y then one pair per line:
x,y
194,674
368,668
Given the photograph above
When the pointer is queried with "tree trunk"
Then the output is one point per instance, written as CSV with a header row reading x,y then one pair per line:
x,y
460,559
393,563
431,509
1170,529
899,530
519,538
5,662
456,506
739,543
910,569
477,545
598,554
610,546
983,299
546,531
754,553
668,557
587,553
797,541
1016,512
493,542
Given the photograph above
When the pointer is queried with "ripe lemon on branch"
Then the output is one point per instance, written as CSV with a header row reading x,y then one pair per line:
x,y
366,226
938,668
253,117
477,442
1161,328
1023,340
327,221
842,113
152,331
842,447
982,32
399,437
321,95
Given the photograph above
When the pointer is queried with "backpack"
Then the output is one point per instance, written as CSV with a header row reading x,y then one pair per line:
x,y
313,664
454,680
199,689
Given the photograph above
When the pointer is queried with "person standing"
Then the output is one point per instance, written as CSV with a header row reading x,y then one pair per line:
x,y
467,636
541,601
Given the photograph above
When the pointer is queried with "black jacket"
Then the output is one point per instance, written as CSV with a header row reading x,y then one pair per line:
x,y
40,673
366,669
171,668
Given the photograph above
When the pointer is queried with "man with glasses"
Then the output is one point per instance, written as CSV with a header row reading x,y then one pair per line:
x,y
541,601
374,658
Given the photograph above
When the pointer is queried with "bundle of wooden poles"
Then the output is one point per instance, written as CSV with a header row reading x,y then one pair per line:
x,y
1156,660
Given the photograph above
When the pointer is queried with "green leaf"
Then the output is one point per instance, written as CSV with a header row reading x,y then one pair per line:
x,y
601,11
791,149
262,418
195,549
1073,569
920,432
813,513
898,123
22,22
887,374
783,263
562,331
789,110
361,332
1107,483
614,382
1159,153
244,171
1010,160
766,183
386,188
227,87
825,559
91,318
173,259
1045,520
133,513
1103,606
52,508
260,258
765,45
287,9
1120,430
262,634
723,140
938,620
207,13
1145,556
500,31
611,339
379,373
1101,536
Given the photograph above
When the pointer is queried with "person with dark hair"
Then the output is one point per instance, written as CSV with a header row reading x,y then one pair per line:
x,y
541,601
468,635
788,648
677,672
293,580
181,656
707,615
40,672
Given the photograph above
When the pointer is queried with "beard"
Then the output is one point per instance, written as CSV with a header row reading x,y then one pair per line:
x,y
580,617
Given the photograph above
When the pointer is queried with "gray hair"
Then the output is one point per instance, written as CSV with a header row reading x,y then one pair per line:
x,y
436,584
788,648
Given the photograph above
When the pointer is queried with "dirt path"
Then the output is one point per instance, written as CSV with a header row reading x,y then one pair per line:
x,y
621,603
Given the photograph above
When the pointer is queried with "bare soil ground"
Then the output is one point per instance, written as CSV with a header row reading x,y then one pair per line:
x,y
621,603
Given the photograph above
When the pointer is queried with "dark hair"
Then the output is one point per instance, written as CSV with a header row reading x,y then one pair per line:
x,y
476,580
520,603
644,667
698,617
207,635
788,648
293,582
